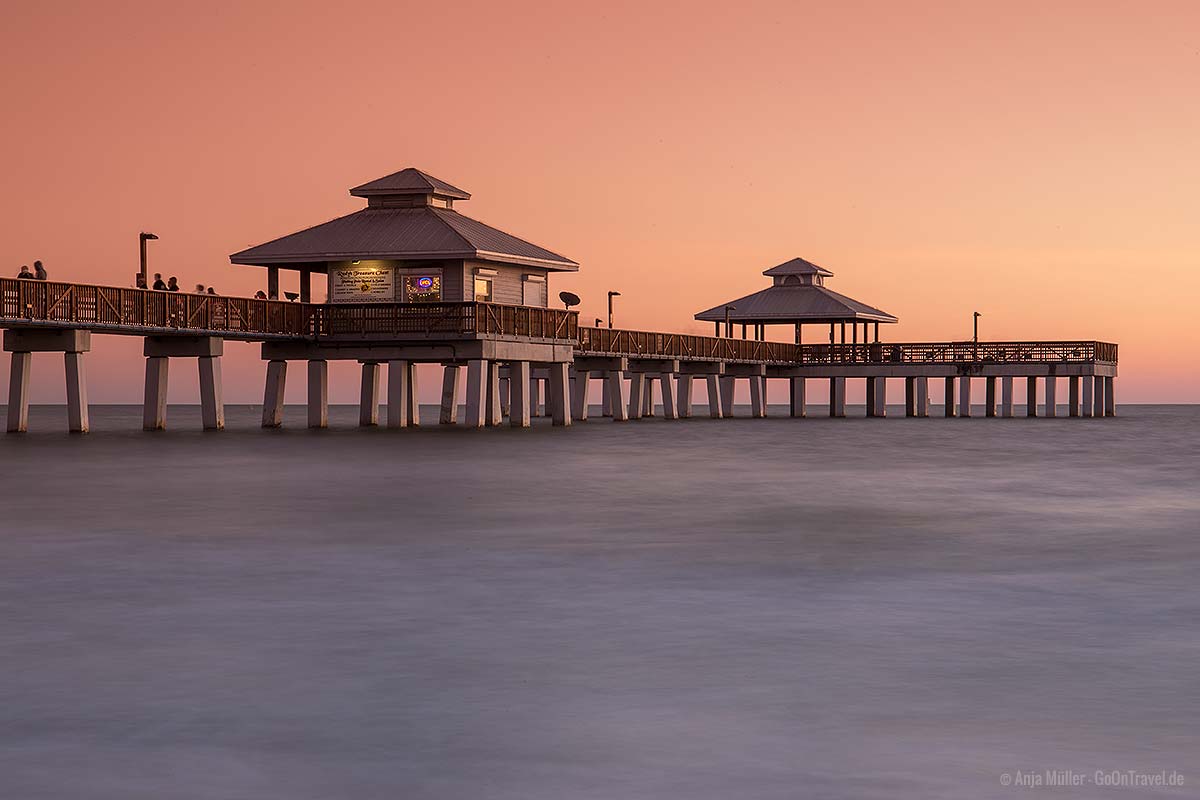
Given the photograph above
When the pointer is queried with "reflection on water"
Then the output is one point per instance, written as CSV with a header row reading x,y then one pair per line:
x,y
712,609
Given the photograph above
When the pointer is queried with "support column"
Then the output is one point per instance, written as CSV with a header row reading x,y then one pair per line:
x,y
519,416
546,410
368,396
1087,405
1051,396
605,398
837,397
450,380
728,388
1110,402
964,396
272,416
1098,397
535,397
272,283
948,401
910,397
1073,396
154,404
559,390
318,394
922,387
476,391
869,396
798,406
305,286
880,395
397,394
18,392
616,392
637,387
648,396
714,396
989,396
412,401
757,401
670,409
212,391
579,394
1031,404
683,391
505,390
493,417
77,404
1006,396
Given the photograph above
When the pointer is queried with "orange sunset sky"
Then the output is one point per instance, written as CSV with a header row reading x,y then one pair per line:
x,y
1036,162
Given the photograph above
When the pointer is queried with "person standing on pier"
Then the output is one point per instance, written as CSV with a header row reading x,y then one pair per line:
x,y
159,285
25,273
199,288
172,284
39,272
139,281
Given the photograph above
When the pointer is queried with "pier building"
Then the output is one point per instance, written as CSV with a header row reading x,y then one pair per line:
x,y
411,280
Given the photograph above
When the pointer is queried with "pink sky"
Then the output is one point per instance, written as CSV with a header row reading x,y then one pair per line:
x,y
1035,164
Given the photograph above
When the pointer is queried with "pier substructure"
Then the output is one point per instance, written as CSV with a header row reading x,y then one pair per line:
x,y
989,396
519,415
1110,402
1006,396
535,395
22,344
451,378
637,387
797,400
1073,396
837,396
683,395
605,398
318,393
493,415
758,396
1031,404
272,414
207,351
1098,396
505,394
368,396
948,402
876,397
648,396
916,396
728,386
1088,385
558,397
403,409
615,382
579,394
1051,396
476,392
964,396
713,383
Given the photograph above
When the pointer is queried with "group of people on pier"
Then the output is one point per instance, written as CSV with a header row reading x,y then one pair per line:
x,y
38,274
170,285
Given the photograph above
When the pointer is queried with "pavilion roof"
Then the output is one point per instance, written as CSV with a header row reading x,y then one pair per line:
x,y
797,266
793,303
409,181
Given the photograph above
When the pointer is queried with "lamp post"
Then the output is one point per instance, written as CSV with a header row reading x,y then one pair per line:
x,y
611,295
142,239
728,324
599,322
975,336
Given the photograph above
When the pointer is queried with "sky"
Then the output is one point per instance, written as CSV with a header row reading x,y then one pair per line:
x,y
1035,162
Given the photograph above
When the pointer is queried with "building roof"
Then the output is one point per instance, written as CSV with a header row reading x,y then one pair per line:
x,y
788,304
797,266
409,181
412,232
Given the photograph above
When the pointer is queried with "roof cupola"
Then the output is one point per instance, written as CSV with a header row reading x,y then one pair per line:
x,y
409,188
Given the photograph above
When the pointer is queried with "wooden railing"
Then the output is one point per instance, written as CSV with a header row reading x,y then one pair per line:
x,y
77,305
434,320
609,341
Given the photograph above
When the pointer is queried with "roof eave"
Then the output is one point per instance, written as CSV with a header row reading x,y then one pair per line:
x,y
247,258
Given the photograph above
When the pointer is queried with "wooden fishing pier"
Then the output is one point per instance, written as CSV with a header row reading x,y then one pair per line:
x,y
411,281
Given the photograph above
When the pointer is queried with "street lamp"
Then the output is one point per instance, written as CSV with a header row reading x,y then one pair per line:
x,y
599,322
611,295
975,336
142,239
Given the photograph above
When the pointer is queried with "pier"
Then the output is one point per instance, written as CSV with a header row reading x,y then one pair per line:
x,y
411,281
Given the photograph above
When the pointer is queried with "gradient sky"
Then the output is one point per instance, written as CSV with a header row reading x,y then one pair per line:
x,y
1035,162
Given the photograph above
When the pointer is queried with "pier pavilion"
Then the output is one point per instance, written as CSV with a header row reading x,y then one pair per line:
x,y
410,280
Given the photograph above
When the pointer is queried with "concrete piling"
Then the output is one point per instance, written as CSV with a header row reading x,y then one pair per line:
x,y
18,392
964,396
1098,396
579,394
837,397
797,405
948,408
1031,403
273,392
368,397
476,392
1051,396
451,377
212,390
1110,402
683,387
1006,396
519,414
714,396
318,393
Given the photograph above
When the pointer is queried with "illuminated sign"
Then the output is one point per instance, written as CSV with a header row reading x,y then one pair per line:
x,y
362,284
422,288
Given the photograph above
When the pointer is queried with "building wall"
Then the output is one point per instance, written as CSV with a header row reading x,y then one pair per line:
x,y
508,282
511,284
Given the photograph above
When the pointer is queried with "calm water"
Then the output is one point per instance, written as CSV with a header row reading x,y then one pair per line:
x,y
713,609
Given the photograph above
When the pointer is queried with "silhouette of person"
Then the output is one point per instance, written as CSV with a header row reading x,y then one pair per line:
x,y
260,295
39,271
199,288
25,273
172,284
139,281
159,285
211,290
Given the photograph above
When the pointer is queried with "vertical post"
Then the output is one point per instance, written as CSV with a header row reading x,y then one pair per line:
x,y
728,387
880,396
1087,405
948,400
683,391
450,380
212,401
1006,396
989,396
616,392
559,389
535,396
579,394
1098,397
505,397
964,396
837,397
1073,396
714,396
492,414
910,396
648,396
670,408
1031,404
637,385
546,410
154,404
922,382
798,406
272,416
757,402
368,396
272,283
18,392
870,394
606,407
397,394
1110,402
518,416
1051,396
305,286
77,403
476,390
413,400
318,393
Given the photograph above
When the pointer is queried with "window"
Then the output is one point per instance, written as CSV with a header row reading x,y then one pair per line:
x,y
423,288
483,290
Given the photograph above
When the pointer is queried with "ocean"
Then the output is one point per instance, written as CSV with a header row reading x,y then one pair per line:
x,y
778,608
